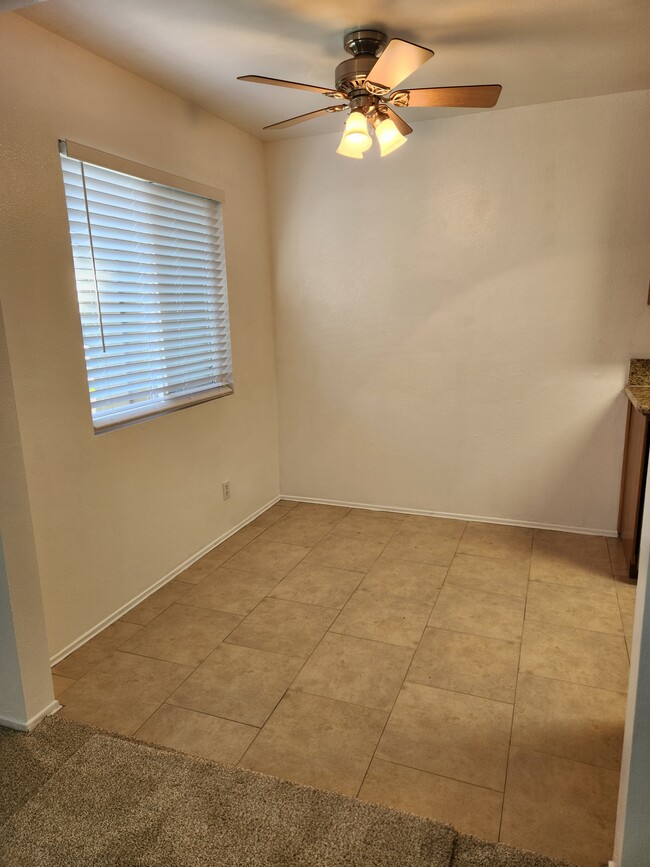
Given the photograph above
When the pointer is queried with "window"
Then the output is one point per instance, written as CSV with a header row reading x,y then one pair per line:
x,y
151,284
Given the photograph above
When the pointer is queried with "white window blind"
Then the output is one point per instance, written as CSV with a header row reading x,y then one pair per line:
x,y
151,284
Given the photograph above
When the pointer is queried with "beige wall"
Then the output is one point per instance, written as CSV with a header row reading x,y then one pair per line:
x,y
454,321
114,513
25,682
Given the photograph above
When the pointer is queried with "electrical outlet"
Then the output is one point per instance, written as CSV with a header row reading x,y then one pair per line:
x,y
225,488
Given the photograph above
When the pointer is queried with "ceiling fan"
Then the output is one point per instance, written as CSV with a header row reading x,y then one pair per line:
x,y
368,80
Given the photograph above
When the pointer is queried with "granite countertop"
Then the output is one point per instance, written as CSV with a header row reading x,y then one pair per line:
x,y
638,385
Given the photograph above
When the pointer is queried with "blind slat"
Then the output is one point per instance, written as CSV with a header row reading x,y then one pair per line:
x,y
151,285
154,391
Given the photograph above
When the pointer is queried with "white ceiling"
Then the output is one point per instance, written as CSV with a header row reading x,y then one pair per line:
x,y
539,50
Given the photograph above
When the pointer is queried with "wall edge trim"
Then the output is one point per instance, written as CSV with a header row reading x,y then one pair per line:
x,y
509,522
27,725
78,642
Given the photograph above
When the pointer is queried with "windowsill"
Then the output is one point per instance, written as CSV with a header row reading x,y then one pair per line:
x,y
126,419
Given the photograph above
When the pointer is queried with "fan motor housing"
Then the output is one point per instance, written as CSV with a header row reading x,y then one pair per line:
x,y
351,74
365,46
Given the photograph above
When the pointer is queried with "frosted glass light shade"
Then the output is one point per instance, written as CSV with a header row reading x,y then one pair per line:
x,y
356,139
389,137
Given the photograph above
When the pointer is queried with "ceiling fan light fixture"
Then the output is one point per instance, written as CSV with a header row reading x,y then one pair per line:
x,y
356,138
345,149
369,82
388,136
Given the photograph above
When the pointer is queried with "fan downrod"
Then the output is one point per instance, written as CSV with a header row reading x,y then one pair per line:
x,y
365,42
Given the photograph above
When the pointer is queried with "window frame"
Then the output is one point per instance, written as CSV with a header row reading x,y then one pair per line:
x,y
86,154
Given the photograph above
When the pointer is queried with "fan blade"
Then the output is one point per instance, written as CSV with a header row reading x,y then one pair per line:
x,y
280,82
471,96
399,60
302,117
401,125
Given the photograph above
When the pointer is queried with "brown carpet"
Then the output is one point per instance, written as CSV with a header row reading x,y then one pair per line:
x,y
76,796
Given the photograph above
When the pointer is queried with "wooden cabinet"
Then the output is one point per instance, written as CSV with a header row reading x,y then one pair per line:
x,y
635,468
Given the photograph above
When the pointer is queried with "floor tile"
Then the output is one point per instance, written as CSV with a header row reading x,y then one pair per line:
x,y
238,683
447,733
491,614
272,559
182,634
60,684
378,513
417,581
322,510
448,528
626,594
422,546
80,661
490,574
575,655
574,606
569,720
470,809
558,569
367,524
317,584
198,734
237,541
155,604
496,540
229,590
355,670
580,545
347,552
628,625
298,529
562,808
317,741
122,691
200,569
378,617
284,627
570,558
273,514
471,664
220,554
617,558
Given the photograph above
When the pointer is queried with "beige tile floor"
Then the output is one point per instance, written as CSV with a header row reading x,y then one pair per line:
x,y
474,673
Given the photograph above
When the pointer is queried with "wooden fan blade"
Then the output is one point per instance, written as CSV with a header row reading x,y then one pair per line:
x,y
280,82
302,117
398,61
471,96
401,125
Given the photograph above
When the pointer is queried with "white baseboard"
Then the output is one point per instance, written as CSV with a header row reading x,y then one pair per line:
x,y
587,531
74,645
27,725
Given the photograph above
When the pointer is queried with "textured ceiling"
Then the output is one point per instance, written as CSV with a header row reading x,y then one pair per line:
x,y
539,50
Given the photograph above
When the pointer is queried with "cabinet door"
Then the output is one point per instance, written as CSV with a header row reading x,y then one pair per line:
x,y
633,484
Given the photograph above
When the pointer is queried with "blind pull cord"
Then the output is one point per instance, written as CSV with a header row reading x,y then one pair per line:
x,y
92,257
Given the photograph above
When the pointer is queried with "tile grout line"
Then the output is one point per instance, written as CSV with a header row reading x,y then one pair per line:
x,y
442,776
514,703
